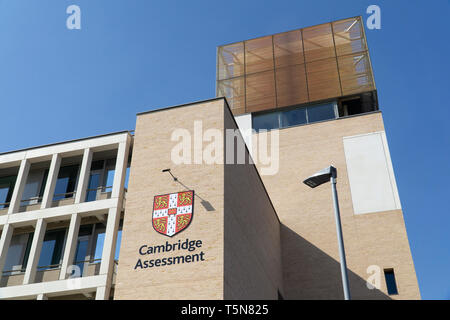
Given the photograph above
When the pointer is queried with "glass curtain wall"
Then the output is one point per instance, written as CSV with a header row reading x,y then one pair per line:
x,y
305,65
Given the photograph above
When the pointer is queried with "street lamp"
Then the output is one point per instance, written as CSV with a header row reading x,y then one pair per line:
x,y
325,175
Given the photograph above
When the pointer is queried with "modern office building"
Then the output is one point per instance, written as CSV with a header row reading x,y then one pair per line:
x,y
206,201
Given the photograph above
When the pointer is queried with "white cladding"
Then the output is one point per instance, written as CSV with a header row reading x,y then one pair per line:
x,y
244,122
370,172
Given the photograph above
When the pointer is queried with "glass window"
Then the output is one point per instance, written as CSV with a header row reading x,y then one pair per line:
x,y
127,177
97,165
18,252
6,190
266,121
321,112
33,187
293,117
65,185
81,252
390,281
51,249
94,183
118,243
109,179
99,245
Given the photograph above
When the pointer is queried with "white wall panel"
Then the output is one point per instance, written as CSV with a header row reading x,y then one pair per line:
x,y
244,122
370,172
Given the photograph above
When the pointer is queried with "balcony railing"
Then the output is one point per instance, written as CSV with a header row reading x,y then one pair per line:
x,y
51,273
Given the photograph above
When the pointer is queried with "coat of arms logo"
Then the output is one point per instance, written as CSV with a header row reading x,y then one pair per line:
x,y
173,212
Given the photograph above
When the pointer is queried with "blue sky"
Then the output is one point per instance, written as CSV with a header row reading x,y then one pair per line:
x,y
135,55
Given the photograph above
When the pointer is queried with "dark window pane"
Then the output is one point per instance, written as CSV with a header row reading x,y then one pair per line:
x,y
6,190
61,188
293,117
390,281
266,121
14,258
81,253
97,165
47,250
94,183
44,181
321,112
65,185
51,249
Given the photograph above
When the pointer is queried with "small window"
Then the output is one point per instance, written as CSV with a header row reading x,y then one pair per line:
x,y
350,107
293,117
266,121
321,112
390,281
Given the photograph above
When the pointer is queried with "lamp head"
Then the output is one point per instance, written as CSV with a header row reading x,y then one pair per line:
x,y
321,177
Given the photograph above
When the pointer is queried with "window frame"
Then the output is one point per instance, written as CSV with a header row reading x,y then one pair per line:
x,y
279,111
393,284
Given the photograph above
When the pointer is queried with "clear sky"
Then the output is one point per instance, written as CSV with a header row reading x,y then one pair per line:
x,y
135,55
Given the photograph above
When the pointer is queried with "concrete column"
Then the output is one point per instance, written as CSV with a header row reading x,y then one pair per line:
x,y
71,244
109,247
103,293
50,185
80,195
112,224
21,181
109,243
35,251
120,170
5,241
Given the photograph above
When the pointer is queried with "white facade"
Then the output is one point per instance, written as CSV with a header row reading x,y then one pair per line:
x,y
41,212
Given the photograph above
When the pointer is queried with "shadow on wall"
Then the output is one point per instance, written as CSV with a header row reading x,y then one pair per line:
x,y
313,274
206,204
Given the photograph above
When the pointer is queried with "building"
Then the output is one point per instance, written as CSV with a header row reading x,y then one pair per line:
x,y
214,207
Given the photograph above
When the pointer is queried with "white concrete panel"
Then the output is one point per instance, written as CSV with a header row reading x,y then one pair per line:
x,y
74,147
244,122
91,208
370,172
59,287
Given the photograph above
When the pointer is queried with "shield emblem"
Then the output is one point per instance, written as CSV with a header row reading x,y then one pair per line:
x,y
172,213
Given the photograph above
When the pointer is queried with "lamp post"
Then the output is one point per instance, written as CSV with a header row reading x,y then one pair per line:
x,y
325,175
